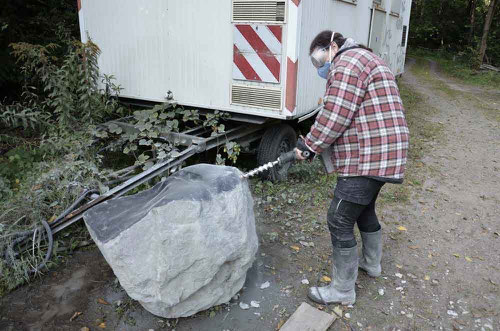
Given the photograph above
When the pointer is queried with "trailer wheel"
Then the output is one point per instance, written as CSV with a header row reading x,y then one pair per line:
x,y
275,141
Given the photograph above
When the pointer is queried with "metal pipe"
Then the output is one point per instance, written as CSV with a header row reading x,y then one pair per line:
x,y
129,185
371,25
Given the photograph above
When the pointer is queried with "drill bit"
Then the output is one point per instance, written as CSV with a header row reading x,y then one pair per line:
x,y
260,169
282,160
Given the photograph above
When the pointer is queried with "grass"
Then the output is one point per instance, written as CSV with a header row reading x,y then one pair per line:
x,y
423,71
457,66
487,102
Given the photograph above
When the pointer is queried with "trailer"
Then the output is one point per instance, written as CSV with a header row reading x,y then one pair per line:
x,y
246,57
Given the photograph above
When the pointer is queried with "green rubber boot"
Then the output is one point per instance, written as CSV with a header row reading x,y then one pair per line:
x,y
342,288
372,253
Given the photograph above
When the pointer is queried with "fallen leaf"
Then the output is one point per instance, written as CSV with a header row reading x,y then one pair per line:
x,y
326,279
413,247
402,228
102,301
456,255
295,248
102,325
85,329
212,314
280,324
52,219
75,315
338,311
399,266
427,277
36,187
468,259
492,282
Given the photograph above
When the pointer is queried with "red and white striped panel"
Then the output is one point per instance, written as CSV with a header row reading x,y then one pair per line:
x,y
257,52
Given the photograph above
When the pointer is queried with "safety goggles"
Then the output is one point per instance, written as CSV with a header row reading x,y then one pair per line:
x,y
316,55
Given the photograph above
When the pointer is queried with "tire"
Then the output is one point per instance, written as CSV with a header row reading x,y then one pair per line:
x,y
275,141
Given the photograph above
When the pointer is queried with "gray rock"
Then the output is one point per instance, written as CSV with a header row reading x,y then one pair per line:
x,y
183,246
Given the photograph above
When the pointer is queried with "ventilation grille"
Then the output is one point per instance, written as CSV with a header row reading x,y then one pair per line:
x,y
256,97
403,40
258,11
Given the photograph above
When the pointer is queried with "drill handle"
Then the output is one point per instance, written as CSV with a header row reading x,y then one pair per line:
x,y
291,156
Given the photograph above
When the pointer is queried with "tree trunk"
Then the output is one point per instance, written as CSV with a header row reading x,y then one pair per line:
x,y
484,39
472,18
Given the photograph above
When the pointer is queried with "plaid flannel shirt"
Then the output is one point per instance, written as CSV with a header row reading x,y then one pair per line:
x,y
361,130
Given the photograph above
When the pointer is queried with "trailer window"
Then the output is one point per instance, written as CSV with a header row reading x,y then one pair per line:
x,y
403,40
396,7
352,2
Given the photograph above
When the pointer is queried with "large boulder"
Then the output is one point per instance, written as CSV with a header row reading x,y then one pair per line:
x,y
183,246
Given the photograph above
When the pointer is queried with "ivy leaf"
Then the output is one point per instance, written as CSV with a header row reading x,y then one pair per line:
x,y
162,155
219,160
131,137
113,128
174,153
143,158
147,165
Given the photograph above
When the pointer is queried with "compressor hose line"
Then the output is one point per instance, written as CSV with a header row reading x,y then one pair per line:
x,y
9,254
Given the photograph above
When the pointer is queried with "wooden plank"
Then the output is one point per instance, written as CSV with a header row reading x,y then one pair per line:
x,y
307,318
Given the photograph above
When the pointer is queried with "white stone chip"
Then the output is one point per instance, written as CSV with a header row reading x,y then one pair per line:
x,y
265,285
255,304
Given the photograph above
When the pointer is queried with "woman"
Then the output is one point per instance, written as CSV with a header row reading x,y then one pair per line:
x,y
361,134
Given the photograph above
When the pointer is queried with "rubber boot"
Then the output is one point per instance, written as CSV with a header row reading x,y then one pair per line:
x,y
372,253
342,288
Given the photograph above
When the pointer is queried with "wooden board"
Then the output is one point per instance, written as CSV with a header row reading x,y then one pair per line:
x,y
307,318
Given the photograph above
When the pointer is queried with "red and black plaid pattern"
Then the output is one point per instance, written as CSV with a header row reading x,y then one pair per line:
x,y
362,123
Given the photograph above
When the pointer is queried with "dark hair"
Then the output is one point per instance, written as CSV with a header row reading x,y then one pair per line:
x,y
322,40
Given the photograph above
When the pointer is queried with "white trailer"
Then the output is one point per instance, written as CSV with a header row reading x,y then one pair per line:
x,y
246,57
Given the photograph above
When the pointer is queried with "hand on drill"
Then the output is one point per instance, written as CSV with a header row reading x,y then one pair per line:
x,y
301,147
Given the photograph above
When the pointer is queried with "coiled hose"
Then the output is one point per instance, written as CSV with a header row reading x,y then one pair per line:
x,y
19,237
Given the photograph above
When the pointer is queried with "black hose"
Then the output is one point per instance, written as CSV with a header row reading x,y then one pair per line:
x,y
73,206
18,237
49,249
10,254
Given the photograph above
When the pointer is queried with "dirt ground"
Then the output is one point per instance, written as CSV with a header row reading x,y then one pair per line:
x,y
441,264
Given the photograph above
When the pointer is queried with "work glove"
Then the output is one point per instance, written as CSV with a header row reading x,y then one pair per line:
x,y
302,147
